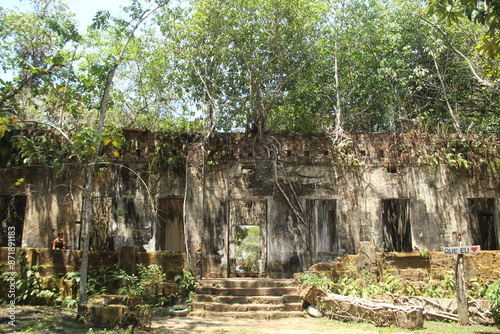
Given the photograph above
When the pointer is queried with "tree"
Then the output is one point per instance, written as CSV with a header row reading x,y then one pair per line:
x,y
38,49
481,12
36,45
388,78
242,57
470,71
356,65
137,15
364,69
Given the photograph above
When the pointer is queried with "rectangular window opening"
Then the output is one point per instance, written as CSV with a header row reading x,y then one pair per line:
x,y
396,225
482,224
99,235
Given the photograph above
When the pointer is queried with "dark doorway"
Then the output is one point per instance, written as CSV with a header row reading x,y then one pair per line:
x,y
247,237
396,225
323,221
12,210
482,225
170,233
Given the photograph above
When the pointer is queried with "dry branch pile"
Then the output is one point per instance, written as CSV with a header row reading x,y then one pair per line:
x,y
446,309
402,311
378,312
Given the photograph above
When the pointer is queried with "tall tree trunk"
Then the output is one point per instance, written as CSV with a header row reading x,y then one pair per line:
x,y
338,129
89,175
453,116
338,109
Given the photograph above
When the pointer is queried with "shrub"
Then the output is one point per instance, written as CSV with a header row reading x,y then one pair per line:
x,y
493,294
317,280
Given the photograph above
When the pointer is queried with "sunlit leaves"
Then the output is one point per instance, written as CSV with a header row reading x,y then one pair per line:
x,y
101,20
86,141
241,57
35,149
481,12
38,48
19,182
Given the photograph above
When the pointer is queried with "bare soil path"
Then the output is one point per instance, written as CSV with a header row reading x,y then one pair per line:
x,y
251,326
56,320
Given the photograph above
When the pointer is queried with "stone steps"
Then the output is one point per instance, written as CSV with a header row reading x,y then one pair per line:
x,y
292,298
207,290
247,298
222,307
249,315
247,282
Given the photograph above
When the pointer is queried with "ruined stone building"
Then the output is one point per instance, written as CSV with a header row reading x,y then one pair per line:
x,y
313,198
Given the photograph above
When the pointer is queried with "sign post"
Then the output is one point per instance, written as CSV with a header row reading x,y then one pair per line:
x,y
462,304
463,312
462,250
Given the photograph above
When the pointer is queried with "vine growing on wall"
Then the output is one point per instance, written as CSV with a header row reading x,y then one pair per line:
x,y
470,153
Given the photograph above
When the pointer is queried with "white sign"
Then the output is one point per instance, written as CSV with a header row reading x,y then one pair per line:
x,y
462,250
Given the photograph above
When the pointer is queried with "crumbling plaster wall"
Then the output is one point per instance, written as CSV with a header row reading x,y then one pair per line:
x,y
54,205
51,204
285,176
437,196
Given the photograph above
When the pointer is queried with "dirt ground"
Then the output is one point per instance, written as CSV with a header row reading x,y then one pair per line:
x,y
276,326
52,320
48,320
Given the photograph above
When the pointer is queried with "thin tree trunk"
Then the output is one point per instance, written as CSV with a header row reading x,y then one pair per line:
x,y
454,118
338,116
88,177
337,107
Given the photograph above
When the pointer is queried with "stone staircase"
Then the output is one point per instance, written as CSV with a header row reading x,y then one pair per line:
x,y
257,298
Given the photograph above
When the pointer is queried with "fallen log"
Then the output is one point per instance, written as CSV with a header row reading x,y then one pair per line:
x,y
378,312
446,308
434,315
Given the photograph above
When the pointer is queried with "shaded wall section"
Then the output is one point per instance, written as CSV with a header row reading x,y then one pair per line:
x,y
322,198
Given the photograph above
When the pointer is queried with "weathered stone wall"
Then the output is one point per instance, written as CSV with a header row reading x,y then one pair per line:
x,y
53,265
415,269
304,188
59,262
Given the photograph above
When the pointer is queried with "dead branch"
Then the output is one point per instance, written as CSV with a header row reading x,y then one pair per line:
x,y
380,312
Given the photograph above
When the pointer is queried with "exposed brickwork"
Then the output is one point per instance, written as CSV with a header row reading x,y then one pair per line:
x,y
392,150
483,268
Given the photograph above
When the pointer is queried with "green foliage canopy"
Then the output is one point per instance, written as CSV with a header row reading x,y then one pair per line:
x,y
481,12
254,66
